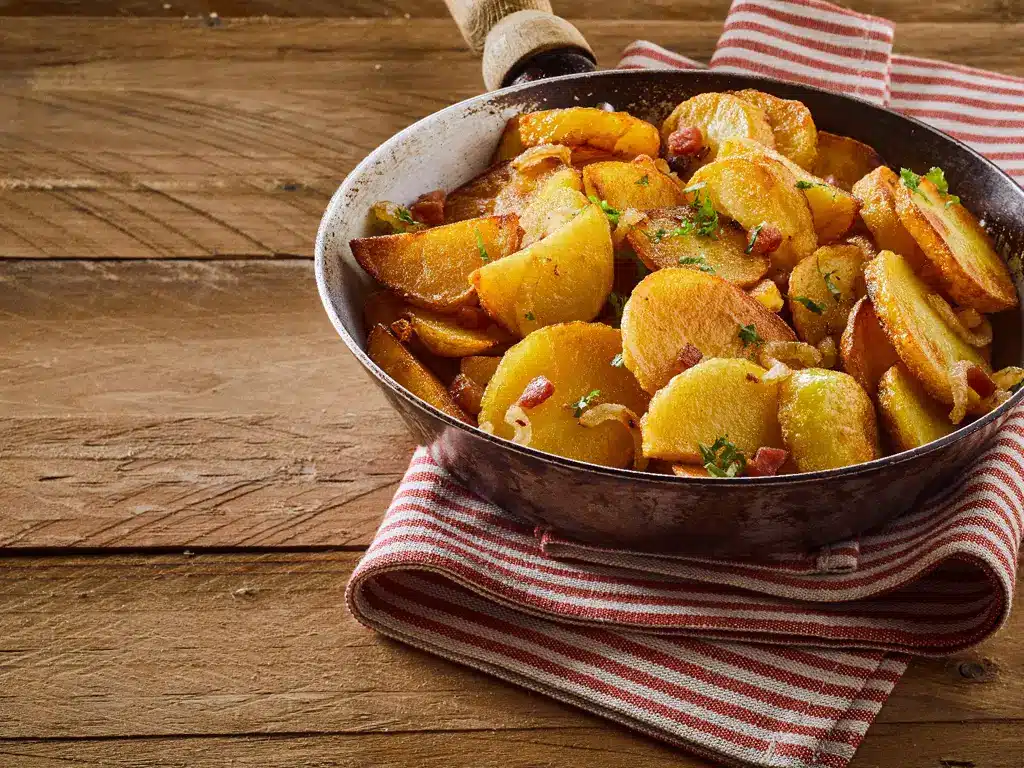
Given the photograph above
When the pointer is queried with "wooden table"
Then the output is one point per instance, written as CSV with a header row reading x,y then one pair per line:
x,y
190,461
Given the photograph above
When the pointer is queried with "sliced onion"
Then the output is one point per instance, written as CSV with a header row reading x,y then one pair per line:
x,y
599,414
540,154
628,219
829,354
486,426
1008,377
979,336
965,378
794,354
970,318
777,372
516,418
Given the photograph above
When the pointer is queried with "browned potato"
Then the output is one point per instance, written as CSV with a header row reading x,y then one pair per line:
x,y
865,349
911,417
845,160
823,290
960,250
768,294
383,308
877,193
466,393
719,116
793,128
827,420
443,336
431,268
577,359
478,197
715,398
396,361
616,132
637,184
672,309
479,369
557,199
667,237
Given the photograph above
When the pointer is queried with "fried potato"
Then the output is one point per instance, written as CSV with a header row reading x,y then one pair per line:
x,y
673,308
479,369
960,250
466,393
382,308
577,359
478,197
827,420
443,336
660,241
431,268
616,132
922,339
844,159
864,348
912,418
755,191
719,116
555,202
398,363
637,184
715,398
823,290
833,210
566,276
768,294
793,128
877,193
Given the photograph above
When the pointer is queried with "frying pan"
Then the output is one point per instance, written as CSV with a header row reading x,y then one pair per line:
x,y
599,505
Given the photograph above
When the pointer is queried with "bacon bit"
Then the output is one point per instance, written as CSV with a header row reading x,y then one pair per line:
x,y
402,329
469,318
753,379
467,393
767,462
429,208
536,392
688,357
685,141
768,240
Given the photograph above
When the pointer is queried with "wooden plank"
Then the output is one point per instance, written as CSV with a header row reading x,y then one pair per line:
x,y
179,404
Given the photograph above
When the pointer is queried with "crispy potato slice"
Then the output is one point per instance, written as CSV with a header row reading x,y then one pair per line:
x,y
959,249
922,339
823,290
566,276
864,348
398,363
719,116
827,420
382,308
793,128
844,159
431,268
616,132
673,308
877,193
912,418
479,369
660,242
833,210
637,184
753,191
768,294
715,398
466,393
555,202
577,359
478,197
443,336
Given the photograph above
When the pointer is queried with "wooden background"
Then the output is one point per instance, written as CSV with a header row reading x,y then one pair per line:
x,y
190,462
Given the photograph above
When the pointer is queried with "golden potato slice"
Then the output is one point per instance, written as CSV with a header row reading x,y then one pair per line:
x,y
912,418
768,295
823,290
793,128
845,160
431,268
477,198
443,336
719,397
577,359
382,308
877,193
757,191
827,420
397,362
617,132
555,202
925,343
719,116
960,250
864,348
833,210
637,184
673,308
667,237
479,369
566,276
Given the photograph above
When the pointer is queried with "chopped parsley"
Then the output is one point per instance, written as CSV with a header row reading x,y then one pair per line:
x,y
530,316
612,213
617,302
705,221
753,237
837,295
748,335
936,176
481,248
910,179
404,214
617,361
697,261
643,181
584,402
809,184
723,458
811,304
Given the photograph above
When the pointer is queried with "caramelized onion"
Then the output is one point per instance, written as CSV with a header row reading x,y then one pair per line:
x,y
599,414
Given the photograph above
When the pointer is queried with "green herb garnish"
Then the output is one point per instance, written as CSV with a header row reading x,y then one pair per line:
x,y
809,184
910,180
936,176
753,237
611,213
617,302
617,361
705,222
530,316
723,458
812,305
584,402
697,261
837,295
481,249
748,335
404,214
643,181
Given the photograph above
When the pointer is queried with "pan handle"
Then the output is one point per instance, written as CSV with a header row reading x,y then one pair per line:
x,y
520,40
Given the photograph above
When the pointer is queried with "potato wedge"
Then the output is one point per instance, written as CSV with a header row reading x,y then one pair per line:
x,y
443,336
864,348
555,202
912,418
673,308
478,197
827,419
431,268
566,276
833,210
877,193
637,184
719,116
660,240
617,132
954,242
845,160
767,293
382,308
753,191
479,369
823,290
793,128
921,338
398,363
715,398
577,359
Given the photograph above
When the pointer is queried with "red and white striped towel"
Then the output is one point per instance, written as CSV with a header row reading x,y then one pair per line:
x,y
782,662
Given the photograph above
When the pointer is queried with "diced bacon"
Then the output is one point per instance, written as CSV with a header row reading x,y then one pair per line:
x,y
688,357
429,208
768,240
685,141
536,392
767,462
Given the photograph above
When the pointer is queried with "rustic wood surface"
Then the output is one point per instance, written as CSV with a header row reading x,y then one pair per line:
x,y
191,464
